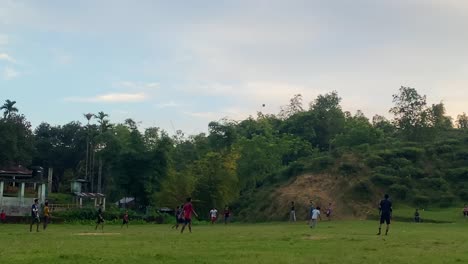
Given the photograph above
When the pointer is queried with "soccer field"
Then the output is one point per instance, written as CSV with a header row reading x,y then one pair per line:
x,y
331,242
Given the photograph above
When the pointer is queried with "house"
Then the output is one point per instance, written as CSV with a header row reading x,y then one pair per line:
x,y
19,187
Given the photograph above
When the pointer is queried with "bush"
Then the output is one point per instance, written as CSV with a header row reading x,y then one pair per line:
x,y
446,200
349,168
410,153
374,161
361,191
463,194
458,174
399,191
421,201
434,183
383,180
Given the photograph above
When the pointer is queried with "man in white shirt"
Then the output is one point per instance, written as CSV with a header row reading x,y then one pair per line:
x,y
213,215
315,217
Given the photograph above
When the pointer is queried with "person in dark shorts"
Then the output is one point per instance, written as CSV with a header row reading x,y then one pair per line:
x,y
292,213
227,215
46,215
125,219
465,211
178,217
188,211
35,215
100,218
385,211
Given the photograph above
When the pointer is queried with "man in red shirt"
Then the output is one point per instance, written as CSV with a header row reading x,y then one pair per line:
x,y
3,217
188,210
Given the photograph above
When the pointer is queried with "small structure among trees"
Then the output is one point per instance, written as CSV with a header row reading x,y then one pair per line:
x,y
19,187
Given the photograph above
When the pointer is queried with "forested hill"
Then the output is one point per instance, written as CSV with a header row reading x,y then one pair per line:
x,y
258,165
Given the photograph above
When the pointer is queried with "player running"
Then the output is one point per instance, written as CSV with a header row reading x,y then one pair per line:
x,y
213,215
100,218
315,217
188,211
465,211
329,211
35,215
385,211
125,219
227,215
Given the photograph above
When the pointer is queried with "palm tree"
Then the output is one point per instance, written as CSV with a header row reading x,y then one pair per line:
x,y
103,122
8,108
103,126
88,116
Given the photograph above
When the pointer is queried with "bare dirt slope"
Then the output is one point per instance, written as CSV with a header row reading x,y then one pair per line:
x,y
321,189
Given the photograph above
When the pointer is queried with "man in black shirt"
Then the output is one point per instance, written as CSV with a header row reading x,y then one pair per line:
x,y
385,211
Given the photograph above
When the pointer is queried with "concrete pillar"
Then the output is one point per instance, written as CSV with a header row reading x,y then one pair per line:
x,y
1,193
22,193
95,202
49,180
104,204
81,202
43,193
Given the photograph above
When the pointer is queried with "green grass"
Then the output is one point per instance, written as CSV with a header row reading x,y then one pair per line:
x,y
331,242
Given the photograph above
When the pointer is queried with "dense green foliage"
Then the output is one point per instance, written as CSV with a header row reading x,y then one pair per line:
x,y
420,157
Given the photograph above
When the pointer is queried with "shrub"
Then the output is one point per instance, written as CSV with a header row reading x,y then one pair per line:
x,y
383,180
458,174
463,194
434,183
349,168
421,201
361,191
446,200
399,191
410,153
374,161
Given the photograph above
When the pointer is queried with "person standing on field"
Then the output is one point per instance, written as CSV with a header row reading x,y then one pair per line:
x,y
329,211
35,215
465,211
46,215
292,213
227,215
385,211
315,217
188,211
3,217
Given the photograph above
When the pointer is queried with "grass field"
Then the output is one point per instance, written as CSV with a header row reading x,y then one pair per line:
x,y
331,242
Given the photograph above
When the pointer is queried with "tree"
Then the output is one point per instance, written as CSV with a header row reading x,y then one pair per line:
x,y
409,109
216,180
294,107
329,119
462,121
8,108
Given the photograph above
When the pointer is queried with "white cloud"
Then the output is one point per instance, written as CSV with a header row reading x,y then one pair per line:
x,y
10,73
137,85
168,104
111,98
204,115
6,57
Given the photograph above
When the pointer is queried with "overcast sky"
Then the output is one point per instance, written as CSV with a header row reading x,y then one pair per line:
x,y
180,64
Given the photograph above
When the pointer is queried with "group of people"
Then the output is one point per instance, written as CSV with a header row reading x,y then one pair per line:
x,y
36,218
214,215
314,213
183,215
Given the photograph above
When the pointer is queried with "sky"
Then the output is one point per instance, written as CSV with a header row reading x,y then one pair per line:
x,y
181,64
